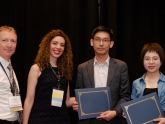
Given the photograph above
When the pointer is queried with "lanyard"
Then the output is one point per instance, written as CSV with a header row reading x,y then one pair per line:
x,y
8,79
58,76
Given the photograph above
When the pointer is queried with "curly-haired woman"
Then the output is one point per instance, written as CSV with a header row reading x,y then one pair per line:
x,y
48,94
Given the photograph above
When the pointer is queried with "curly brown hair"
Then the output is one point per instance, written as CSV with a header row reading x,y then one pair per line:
x,y
64,62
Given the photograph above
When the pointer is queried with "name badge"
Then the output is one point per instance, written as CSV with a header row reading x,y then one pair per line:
x,y
57,97
15,103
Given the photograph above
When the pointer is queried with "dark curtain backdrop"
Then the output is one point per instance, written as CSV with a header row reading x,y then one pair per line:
x,y
134,23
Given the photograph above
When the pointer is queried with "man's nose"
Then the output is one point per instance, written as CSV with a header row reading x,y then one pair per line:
x,y
101,42
9,43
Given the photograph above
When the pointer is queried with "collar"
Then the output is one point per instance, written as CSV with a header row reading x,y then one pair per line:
x,y
4,62
106,62
161,78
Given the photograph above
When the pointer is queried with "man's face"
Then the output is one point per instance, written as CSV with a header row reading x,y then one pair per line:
x,y
101,43
8,43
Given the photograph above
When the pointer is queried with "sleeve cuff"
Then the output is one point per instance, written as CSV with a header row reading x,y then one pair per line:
x,y
117,113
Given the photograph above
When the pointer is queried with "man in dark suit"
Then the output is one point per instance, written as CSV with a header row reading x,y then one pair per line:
x,y
104,71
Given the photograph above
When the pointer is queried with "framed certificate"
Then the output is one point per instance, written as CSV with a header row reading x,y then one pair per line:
x,y
143,110
93,101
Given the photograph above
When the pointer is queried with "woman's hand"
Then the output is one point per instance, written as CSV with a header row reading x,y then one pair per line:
x,y
75,106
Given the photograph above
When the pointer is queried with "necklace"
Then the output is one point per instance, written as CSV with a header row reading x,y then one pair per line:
x,y
151,82
152,79
57,75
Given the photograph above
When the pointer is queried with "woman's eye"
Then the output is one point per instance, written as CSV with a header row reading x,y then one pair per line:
x,y
62,45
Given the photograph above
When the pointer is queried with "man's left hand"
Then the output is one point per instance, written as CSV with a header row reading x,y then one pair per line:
x,y
108,115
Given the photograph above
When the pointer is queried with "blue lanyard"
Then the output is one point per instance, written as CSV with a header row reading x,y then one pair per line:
x,y
12,91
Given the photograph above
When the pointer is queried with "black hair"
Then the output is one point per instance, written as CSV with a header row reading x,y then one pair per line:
x,y
102,28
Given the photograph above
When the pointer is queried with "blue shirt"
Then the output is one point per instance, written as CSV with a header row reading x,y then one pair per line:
x,y
139,85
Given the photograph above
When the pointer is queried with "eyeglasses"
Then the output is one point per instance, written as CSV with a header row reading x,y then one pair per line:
x,y
105,40
154,59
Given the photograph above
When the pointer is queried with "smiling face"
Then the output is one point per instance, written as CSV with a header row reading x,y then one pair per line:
x,y
101,43
8,43
152,62
57,46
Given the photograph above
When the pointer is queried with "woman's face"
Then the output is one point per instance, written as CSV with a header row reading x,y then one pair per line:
x,y
57,46
152,61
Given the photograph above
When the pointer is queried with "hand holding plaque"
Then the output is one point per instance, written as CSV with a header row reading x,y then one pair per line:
x,y
93,101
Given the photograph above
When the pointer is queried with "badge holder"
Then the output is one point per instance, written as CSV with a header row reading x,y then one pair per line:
x,y
57,97
15,103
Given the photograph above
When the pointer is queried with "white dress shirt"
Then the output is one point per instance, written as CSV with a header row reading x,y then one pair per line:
x,y
101,73
5,93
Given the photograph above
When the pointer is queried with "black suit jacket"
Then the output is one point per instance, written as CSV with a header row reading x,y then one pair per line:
x,y
117,80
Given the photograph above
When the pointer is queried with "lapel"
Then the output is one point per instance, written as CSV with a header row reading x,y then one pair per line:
x,y
111,70
90,71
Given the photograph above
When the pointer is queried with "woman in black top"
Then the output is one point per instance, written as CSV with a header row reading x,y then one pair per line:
x,y
48,94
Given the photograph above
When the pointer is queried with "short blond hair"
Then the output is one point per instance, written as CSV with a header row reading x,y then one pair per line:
x,y
8,28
